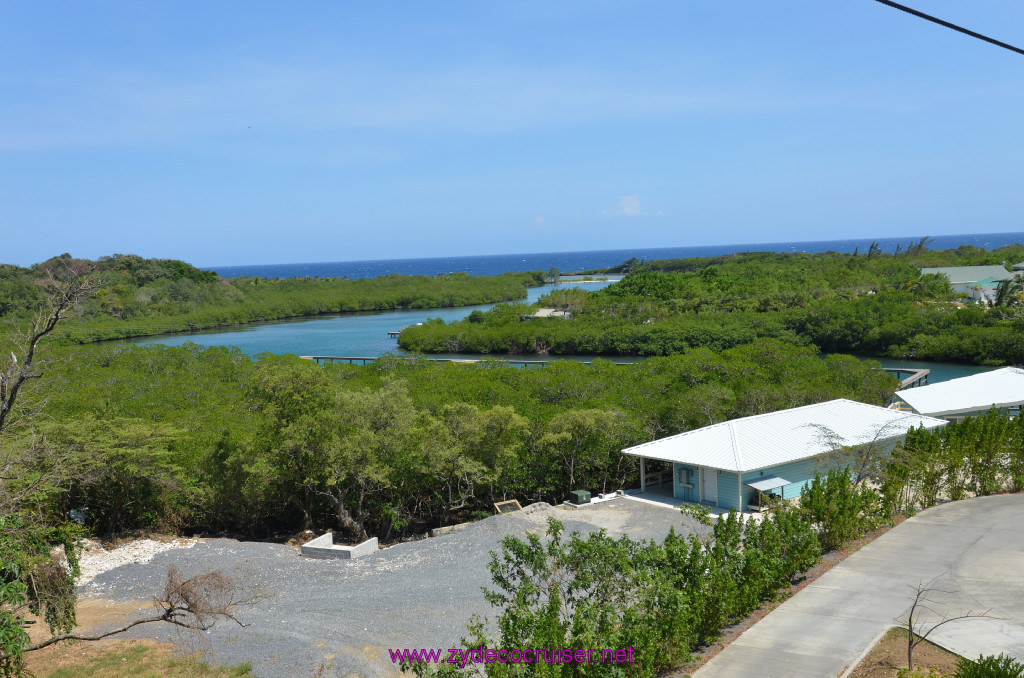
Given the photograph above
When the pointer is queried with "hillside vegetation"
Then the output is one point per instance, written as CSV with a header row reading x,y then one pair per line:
x,y
140,297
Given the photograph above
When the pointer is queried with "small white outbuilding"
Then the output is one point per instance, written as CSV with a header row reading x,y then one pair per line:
x,y
955,399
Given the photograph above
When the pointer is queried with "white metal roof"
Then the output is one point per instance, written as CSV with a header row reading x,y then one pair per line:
x,y
999,388
969,274
768,483
765,440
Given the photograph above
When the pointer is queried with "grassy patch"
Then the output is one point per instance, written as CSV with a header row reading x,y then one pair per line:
x,y
122,659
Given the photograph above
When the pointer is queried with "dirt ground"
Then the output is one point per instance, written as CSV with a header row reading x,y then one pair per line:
x,y
91,613
890,655
113,657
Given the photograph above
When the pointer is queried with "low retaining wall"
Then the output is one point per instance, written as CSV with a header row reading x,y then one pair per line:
x,y
323,547
438,531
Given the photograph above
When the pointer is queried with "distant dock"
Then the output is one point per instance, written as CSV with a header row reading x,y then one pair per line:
x,y
394,333
909,377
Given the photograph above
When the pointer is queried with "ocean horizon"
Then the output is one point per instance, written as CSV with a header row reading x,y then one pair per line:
x,y
495,264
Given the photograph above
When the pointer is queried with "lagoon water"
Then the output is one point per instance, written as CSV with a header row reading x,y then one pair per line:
x,y
365,334
347,334
939,371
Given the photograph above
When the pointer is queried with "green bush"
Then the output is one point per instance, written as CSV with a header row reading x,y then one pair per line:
x,y
990,667
839,509
661,600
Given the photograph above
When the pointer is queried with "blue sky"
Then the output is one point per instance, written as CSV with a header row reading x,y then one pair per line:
x,y
261,132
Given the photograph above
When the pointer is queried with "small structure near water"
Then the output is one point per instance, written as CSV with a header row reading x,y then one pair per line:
x,y
546,313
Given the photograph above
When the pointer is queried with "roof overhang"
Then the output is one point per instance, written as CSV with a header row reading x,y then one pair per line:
x,y
767,440
768,483
967,410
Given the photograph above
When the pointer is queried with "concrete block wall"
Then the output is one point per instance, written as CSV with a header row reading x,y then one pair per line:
x,y
324,547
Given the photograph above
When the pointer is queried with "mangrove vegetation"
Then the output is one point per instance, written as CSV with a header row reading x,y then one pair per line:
x,y
871,304
139,297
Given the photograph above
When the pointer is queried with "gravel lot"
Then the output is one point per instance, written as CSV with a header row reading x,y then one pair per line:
x,y
344,615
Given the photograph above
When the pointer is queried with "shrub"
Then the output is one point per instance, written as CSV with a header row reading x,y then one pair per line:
x,y
990,667
838,508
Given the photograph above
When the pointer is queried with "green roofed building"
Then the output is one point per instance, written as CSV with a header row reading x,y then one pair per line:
x,y
964,278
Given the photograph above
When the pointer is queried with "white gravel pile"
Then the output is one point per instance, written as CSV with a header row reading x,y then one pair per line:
x,y
96,560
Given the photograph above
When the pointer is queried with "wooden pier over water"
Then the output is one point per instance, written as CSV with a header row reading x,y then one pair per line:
x,y
909,377
394,333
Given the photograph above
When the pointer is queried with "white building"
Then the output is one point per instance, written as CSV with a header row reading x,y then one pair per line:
x,y
728,463
963,279
958,398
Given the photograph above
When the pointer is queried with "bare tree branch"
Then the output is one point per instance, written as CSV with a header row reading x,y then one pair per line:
x,y
65,286
196,603
916,628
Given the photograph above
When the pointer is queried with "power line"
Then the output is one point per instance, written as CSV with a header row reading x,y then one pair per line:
x,y
959,29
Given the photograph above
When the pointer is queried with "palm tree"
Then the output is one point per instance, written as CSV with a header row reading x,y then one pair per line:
x,y
1010,292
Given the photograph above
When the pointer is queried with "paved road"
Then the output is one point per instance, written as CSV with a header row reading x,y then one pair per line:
x,y
345,615
974,547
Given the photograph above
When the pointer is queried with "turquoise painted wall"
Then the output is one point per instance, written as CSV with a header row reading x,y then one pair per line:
x,y
686,493
728,490
798,473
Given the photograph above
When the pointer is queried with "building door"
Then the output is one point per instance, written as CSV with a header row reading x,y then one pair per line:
x,y
710,477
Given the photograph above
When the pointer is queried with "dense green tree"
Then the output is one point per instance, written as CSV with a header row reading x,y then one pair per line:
x,y
298,428
587,442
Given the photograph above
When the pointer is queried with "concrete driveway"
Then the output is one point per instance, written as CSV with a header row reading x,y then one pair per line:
x,y
974,551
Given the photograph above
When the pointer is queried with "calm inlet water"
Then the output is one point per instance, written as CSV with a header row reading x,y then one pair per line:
x,y
366,335
347,334
939,371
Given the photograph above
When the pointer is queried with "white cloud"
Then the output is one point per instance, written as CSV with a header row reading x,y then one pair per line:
x,y
630,205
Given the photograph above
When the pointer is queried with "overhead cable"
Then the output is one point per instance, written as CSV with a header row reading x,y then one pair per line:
x,y
959,29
